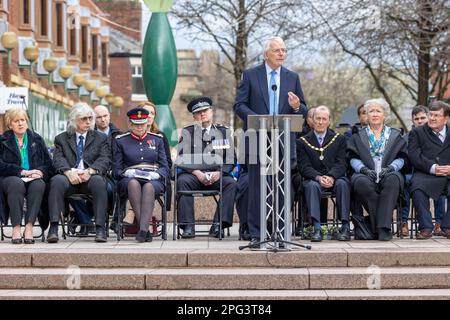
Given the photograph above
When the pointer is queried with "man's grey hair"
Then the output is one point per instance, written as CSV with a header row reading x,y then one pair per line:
x,y
79,110
380,102
269,43
323,108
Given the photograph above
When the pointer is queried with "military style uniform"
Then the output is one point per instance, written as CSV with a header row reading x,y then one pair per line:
x,y
130,150
195,140
216,140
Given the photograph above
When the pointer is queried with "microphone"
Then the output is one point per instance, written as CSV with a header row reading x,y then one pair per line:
x,y
274,87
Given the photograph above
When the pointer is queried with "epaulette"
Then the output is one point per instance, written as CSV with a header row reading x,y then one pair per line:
x,y
122,135
221,126
156,134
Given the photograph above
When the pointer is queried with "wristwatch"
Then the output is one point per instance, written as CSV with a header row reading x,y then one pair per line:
x,y
92,171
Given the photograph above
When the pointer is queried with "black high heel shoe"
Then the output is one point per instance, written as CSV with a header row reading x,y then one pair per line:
x,y
16,241
27,240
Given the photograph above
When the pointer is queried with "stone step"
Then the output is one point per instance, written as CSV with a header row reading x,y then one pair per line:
x,y
211,258
225,278
394,294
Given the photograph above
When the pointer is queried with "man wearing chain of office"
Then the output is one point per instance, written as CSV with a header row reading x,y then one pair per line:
x,y
321,160
203,138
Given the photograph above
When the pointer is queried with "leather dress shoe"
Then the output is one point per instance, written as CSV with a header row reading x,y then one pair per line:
x,y
344,234
100,235
404,229
437,230
254,243
141,235
188,232
384,234
424,234
244,233
316,235
52,236
447,233
148,237
214,231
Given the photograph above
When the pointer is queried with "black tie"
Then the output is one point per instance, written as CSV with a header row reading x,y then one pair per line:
x,y
80,147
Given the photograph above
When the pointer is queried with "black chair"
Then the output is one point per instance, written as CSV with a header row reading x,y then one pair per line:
x,y
69,225
159,226
204,162
42,222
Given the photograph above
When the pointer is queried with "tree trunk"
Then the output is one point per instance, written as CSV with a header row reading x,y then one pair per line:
x,y
424,55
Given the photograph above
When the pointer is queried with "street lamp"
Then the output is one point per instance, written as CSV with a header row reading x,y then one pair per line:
x,y
31,53
9,42
65,72
78,80
50,64
90,86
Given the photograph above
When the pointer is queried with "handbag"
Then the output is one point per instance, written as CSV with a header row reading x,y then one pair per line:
x,y
363,229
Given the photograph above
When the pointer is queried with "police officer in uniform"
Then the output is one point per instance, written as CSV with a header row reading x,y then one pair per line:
x,y
202,138
140,166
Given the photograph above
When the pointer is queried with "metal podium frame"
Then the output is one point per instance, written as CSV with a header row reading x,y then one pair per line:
x,y
275,179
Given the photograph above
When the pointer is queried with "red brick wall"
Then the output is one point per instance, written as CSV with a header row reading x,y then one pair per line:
x,y
123,12
120,84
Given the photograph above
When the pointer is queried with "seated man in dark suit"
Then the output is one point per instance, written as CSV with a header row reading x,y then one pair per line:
x,y
321,160
429,153
81,159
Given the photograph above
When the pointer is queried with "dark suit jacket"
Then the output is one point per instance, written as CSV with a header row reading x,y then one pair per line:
x,y
252,96
334,163
424,149
358,147
96,155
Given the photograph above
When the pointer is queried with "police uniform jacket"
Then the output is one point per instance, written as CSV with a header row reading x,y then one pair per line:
x,y
218,141
334,155
424,150
130,150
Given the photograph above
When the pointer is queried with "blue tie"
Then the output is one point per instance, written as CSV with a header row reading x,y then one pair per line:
x,y
273,103
80,147
320,140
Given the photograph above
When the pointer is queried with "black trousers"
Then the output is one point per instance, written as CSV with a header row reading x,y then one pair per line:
x,y
379,199
61,187
421,203
242,198
16,191
187,182
313,194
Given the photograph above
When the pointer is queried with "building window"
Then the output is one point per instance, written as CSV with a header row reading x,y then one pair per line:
x,y
137,84
94,52
104,59
59,25
73,41
84,44
25,12
43,30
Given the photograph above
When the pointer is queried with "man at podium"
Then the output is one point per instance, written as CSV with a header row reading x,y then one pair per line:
x,y
267,89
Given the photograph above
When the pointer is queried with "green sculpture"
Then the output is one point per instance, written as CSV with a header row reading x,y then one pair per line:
x,y
160,66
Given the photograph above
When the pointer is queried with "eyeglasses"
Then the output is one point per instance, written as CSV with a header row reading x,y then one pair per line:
x,y
84,119
280,50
